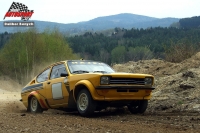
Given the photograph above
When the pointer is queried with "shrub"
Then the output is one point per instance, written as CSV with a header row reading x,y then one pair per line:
x,y
179,52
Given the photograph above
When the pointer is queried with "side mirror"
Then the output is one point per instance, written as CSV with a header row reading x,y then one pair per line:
x,y
64,74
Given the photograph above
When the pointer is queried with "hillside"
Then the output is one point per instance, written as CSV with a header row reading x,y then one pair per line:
x,y
124,20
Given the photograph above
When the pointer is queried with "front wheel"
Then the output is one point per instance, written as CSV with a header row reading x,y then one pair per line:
x,y
34,105
85,104
139,106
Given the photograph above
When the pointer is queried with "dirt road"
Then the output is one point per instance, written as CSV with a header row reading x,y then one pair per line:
x,y
14,118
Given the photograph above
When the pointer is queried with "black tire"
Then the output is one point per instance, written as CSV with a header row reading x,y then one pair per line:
x,y
139,106
85,103
34,105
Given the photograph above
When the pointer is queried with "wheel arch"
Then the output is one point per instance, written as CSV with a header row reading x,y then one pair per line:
x,y
40,101
89,86
78,88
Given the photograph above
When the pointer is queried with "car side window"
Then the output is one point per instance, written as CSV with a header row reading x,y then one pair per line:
x,y
57,70
43,76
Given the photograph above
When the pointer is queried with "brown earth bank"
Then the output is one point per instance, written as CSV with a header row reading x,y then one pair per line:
x,y
174,107
177,84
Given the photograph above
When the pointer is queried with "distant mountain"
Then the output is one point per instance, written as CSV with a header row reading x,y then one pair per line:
x,y
128,21
124,20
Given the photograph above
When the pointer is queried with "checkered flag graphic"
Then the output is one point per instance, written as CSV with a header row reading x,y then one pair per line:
x,y
19,7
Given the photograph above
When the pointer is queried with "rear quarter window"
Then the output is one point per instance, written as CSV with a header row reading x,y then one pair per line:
x,y
43,76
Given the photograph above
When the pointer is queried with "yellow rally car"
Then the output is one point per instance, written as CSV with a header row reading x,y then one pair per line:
x,y
86,86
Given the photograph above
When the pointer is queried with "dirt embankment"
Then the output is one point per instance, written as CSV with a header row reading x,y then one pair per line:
x,y
177,84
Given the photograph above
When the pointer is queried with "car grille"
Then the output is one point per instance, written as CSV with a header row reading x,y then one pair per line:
x,y
127,81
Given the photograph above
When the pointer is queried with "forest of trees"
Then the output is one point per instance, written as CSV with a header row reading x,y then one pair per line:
x,y
133,45
193,22
128,45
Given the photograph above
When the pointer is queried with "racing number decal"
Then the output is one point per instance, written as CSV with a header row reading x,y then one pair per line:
x,y
57,91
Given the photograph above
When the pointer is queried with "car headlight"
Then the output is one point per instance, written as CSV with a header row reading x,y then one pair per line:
x,y
104,80
148,81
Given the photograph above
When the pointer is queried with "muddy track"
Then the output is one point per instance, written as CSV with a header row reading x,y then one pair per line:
x,y
14,118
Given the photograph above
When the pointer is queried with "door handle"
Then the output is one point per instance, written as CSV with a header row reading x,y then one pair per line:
x,y
48,82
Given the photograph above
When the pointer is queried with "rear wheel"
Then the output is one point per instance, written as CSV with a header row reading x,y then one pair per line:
x,y
34,105
85,104
139,106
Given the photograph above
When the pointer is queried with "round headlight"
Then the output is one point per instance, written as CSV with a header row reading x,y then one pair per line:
x,y
148,81
104,80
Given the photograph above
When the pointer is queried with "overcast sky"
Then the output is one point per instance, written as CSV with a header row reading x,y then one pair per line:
x,y
73,11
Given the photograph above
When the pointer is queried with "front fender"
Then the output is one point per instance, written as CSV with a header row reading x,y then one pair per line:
x,y
90,88
40,99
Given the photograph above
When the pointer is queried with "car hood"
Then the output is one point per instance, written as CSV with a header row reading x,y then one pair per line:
x,y
128,75
94,78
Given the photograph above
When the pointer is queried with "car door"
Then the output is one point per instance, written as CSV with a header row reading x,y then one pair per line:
x,y
57,94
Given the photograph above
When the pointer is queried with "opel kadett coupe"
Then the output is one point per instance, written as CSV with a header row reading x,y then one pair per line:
x,y
86,86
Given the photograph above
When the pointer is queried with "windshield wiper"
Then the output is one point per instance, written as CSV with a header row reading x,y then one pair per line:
x,y
100,71
80,71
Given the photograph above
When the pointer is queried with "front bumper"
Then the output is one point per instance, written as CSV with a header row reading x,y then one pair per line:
x,y
114,93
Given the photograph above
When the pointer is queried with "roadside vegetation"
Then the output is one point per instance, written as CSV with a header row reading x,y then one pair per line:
x,y
24,52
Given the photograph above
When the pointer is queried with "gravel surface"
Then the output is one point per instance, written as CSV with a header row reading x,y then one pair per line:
x,y
14,119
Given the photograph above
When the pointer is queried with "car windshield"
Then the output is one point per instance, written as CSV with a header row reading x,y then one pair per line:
x,y
89,67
